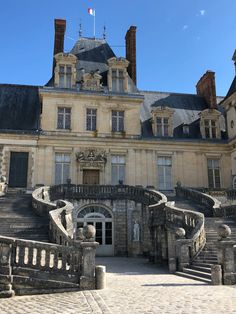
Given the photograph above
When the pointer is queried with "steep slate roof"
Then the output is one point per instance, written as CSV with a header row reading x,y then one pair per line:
x,y
92,55
232,88
19,107
186,111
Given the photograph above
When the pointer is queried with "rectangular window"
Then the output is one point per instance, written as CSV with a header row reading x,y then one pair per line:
x,y
63,118
62,168
65,76
162,126
117,121
164,168
210,128
118,169
91,119
118,81
213,169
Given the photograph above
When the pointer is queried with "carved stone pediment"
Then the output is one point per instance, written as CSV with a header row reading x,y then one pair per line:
x,y
91,158
91,81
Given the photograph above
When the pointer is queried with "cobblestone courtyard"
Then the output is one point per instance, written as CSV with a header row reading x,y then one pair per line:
x,y
133,286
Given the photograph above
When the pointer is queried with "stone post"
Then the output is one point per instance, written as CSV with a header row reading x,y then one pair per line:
x,y
226,255
5,271
182,248
87,279
100,274
216,275
172,258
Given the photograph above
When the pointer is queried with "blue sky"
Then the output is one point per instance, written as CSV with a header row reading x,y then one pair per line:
x,y
177,40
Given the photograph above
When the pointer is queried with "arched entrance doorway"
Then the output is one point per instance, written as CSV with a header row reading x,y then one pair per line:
x,y
102,219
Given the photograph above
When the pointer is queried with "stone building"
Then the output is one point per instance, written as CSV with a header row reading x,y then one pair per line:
x,y
91,124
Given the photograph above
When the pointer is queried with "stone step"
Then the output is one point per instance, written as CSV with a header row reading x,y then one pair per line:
x,y
190,276
201,268
202,264
206,260
197,273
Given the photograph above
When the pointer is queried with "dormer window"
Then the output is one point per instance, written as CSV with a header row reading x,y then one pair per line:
x,y
185,129
65,76
118,80
162,126
210,128
162,121
118,75
210,124
65,70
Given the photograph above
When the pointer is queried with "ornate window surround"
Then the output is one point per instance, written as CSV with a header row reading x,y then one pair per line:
x,y
120,65
65,60
162,112
211,115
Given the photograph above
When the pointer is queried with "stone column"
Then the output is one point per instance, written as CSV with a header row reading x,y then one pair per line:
x,y
5,271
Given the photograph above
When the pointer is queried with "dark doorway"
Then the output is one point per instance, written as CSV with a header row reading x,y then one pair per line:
x,y
91,177
18,170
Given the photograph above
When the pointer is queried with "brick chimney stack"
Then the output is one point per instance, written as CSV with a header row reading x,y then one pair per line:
x,y
60,29
206,88
130,40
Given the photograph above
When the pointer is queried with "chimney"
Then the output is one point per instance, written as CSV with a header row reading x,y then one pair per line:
x,y
206,88
234,59
60,28
130,40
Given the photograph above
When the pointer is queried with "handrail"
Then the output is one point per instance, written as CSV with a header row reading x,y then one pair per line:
x,y
60,215
199,197
41,255
193,224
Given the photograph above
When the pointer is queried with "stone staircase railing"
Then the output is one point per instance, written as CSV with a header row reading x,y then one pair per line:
x,y
200,198
60,215
186,236
29,267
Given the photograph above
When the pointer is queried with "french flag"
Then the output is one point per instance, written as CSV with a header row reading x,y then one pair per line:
x,y
91,12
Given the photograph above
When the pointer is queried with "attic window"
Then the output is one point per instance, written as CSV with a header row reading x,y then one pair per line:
x,y
185,129
210,128
65,75
162,126
117,80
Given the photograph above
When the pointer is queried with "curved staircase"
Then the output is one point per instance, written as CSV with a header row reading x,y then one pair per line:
x,y
200,268
18,219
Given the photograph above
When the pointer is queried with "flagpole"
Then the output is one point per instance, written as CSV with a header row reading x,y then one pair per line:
x,y
94,24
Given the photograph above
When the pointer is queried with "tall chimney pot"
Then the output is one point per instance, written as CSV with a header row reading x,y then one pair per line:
x,y
206,88
130,40
60,29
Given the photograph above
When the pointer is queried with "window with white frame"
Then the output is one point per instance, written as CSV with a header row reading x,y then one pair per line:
x,y
118,80
213,169
62,168
210,128
164,171
117,169
91,119
162,124
63,118
118,121
65,76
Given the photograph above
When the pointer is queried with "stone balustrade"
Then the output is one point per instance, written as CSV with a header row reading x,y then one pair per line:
x,y
26,264
200,198
60,215
124,192
186,235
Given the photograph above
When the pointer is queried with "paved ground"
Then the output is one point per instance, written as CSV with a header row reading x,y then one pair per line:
x,y
133,286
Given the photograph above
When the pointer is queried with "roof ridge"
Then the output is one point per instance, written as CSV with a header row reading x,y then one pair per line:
x,y
19,85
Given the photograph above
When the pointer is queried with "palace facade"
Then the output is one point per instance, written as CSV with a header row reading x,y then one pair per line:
x,y
91,124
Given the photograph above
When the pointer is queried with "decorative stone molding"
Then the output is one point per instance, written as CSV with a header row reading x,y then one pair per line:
x,y
162,112
91,81
91,158
118,64
213,115
65,59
